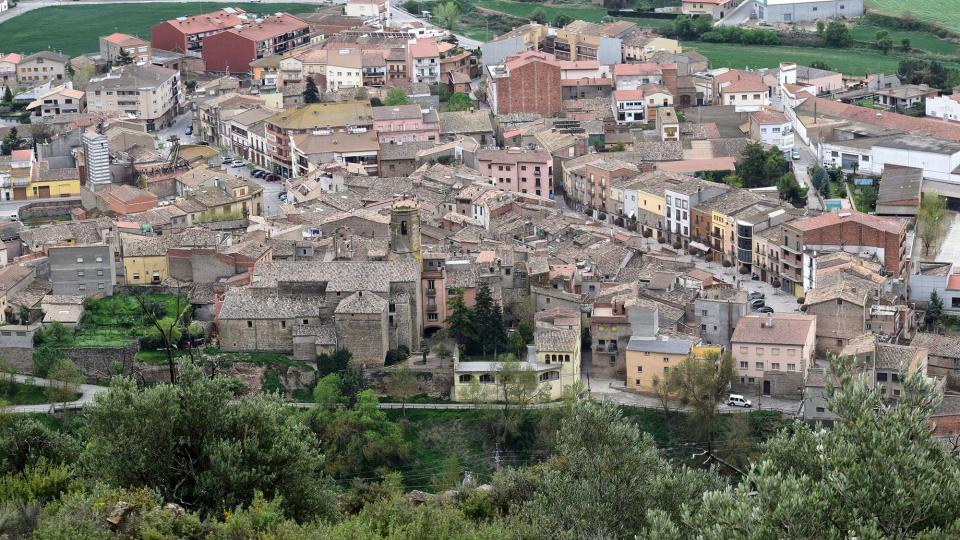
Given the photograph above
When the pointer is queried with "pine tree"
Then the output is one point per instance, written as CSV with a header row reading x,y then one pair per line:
x,y
123,58
488,322
311,94
8,95
934,310
11,142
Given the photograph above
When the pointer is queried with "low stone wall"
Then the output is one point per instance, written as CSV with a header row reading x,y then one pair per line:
x,y
102,363
431,381
47,208
20,359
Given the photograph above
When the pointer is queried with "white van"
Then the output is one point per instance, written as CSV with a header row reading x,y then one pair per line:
x,y
736,400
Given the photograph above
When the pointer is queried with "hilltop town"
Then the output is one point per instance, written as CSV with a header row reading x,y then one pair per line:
x,y
359,207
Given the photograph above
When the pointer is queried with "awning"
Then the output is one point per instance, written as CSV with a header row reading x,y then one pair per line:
x,y
699,246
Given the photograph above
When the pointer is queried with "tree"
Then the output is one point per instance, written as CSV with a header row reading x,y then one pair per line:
x,y
836,483
403,385
41,133
818,64
605,478
518,386
561,20
361,94
166,330
759,167
934,311
7,95
791,190
820,180
311,94
201,446
700,384
65,377
520,338
905,44
458,101
459,320
931,220
663,388
11,142
488,331
190,85
123,58
396,96
837,35
448,15
539,16
326,393
883,41
821,26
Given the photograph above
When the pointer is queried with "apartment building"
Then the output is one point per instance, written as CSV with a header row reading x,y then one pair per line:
x,y
370,11
581,40
8,69
406,123
82,269
527,82
454,59
633,76
187,34
147,94
359,153
344,69
944,107
517,169
232,50
424,60
746,91
772,352
859,234
139,50
773,128
628,106
42,67
319,118
247,135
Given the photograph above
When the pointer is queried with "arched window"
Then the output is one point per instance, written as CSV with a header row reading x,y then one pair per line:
x,y
403,228
466,378
486,378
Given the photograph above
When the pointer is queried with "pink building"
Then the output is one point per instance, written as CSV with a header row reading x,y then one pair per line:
x,y
518,170
406,123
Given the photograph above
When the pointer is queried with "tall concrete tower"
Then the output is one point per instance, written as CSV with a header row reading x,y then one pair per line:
x,y
405,230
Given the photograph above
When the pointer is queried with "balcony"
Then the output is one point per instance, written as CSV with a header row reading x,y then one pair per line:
x,y
431,307
431,293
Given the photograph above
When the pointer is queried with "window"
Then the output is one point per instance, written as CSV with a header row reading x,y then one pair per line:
x,y
821,409
791,367
486,378
306,321
283,324
249,324
775,365
99,272
760,350
758,365
549,376
666,359
80,273
79,259
743,350
81,287
432,317
881,377
744,365
466,378
100,286
136,277
791,352
894,377
775,351
639,369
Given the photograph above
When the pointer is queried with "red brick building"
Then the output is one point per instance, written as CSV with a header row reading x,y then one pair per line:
x,y
233,50
526,82
844,230
187,34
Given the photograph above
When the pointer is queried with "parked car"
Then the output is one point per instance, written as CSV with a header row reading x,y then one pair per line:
x,y
258,173
282,196
757,303
271,178
795,154
736,400
756,295
203,143
189,130
765,309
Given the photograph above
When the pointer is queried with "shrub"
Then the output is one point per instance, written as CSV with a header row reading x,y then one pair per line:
x,y
801,300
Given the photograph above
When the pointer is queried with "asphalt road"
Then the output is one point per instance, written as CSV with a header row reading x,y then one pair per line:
x,y
87,394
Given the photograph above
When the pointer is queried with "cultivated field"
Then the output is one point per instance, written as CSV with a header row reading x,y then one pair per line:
x,y
918,40
75,29
945,13
589,13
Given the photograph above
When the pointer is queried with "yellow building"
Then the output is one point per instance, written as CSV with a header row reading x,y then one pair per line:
x,y
650,359
144,259
641,46
55,183
554,358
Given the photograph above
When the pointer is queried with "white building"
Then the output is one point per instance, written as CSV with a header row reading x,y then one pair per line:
x,y
373,11
4,5
628,106
424,60
344,69
944,107
773,128
780,11
96,148
939,159
633,76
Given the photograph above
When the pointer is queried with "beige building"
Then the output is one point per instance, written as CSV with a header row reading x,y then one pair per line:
x,y
772,352
147,94
59,100
138,49
41,67
344,69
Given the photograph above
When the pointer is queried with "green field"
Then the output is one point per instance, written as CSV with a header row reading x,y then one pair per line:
x,y
588,13
918,40
849,61
944,13
75,29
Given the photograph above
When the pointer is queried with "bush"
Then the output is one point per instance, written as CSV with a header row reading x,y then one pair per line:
x,y
801,300
726,263
395,356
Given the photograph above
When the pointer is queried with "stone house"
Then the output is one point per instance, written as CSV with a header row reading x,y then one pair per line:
x,y
718,310
773,352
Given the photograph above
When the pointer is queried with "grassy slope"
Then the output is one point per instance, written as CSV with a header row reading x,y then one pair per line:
x,y
15,393
75,29
849,61
585,12
942,12
918,40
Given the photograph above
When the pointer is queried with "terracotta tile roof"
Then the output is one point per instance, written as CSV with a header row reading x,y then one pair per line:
x,y
853,113
787,329
207,22
630,70
424,48
892,226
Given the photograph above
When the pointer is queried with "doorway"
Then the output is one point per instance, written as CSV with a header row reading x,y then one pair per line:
x,y
766,388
